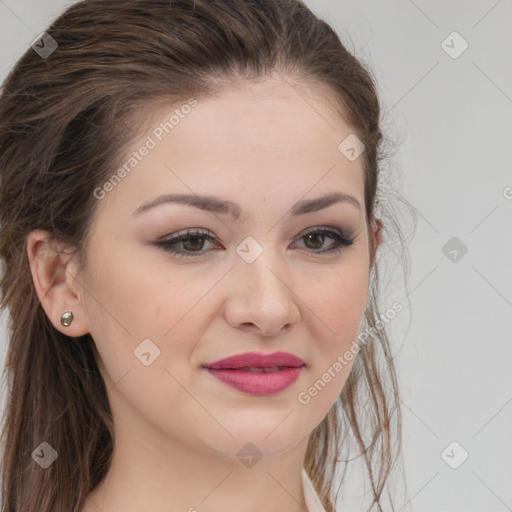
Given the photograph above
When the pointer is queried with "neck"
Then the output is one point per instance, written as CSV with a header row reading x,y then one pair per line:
x,y
151,471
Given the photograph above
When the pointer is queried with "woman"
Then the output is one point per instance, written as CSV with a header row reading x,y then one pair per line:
x,y
189,235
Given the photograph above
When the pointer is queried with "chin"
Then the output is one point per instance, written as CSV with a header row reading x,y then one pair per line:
x,y
263,438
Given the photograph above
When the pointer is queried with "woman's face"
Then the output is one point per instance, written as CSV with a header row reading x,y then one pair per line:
x,y
248,282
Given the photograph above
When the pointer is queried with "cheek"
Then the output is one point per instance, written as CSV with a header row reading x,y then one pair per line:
x,y
132,300
336,307
138,295
338,303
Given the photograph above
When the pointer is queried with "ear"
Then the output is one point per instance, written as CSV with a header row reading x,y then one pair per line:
x,y
55,274
377,238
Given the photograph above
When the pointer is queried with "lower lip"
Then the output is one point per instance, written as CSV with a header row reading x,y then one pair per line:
x,y
258,383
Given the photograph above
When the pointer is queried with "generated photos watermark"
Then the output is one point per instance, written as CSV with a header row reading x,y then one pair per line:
x,y
151,142
343,360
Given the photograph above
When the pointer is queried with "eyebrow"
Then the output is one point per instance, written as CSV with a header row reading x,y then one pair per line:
x,y
221,206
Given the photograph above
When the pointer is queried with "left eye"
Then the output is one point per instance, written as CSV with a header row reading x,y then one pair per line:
x,y
193,241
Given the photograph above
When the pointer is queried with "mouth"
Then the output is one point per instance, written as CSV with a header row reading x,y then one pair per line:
x,y
271,369
258,374
254,361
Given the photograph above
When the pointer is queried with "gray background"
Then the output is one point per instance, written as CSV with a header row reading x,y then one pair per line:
x,y
451,121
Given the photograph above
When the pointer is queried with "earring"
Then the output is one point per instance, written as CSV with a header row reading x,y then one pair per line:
x,y
66,318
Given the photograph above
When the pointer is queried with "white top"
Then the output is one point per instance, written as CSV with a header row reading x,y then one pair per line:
x,y
311,498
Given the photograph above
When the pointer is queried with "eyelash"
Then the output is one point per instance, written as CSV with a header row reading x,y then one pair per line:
x,y
341,241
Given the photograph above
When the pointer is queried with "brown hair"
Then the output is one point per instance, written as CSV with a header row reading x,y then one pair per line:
x,y
64,127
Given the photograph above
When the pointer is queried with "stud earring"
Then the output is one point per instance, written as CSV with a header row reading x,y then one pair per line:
x,y
66,318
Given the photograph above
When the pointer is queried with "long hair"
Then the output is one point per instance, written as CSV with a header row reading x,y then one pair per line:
x,y
64,125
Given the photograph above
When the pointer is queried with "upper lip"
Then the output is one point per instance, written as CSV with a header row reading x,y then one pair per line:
x,y
257,360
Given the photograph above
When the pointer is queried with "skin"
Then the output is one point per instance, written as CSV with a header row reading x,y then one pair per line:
x,y
264,146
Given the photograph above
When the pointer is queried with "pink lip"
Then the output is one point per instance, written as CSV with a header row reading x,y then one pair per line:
x,y
231,371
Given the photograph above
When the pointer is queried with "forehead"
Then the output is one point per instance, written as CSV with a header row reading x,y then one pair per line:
x,y
272,137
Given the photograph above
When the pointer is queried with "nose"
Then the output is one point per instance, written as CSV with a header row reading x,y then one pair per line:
x,y
261,297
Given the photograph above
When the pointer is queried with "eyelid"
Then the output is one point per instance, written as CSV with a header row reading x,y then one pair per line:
x,y
186,231
325,227
203,231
